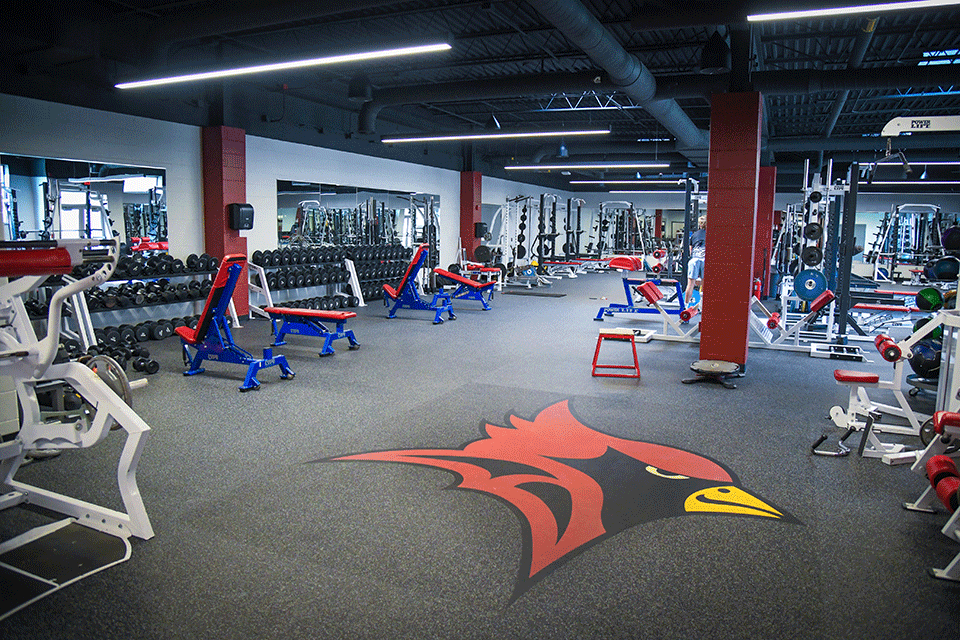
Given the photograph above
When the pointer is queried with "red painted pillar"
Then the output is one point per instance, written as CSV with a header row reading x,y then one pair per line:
x,y
470,214
224,151
731,220
764,236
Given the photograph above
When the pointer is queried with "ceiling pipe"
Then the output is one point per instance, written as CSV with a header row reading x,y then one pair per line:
x,y
630,75
513,87
860,46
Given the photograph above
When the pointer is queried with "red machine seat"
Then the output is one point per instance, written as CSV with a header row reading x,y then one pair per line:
x,y
862,377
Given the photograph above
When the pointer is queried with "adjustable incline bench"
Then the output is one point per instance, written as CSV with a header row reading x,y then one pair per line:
x,y
406,295
212,339
307,322
468,289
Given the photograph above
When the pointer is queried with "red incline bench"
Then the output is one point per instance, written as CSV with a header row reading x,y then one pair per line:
x,y
407,296
468,289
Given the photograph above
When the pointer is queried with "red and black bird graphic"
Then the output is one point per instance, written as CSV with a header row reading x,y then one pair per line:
x,y
573,486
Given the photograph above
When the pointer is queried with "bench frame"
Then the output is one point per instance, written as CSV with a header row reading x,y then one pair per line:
x,y
307,322
467,289
407,296
212,339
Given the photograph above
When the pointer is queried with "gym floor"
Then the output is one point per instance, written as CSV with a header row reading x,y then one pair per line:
x,y
260,535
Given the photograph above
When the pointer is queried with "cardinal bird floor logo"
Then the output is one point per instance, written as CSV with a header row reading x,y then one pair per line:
x,y
573,486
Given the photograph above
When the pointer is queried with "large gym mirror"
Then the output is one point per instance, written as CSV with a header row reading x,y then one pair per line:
x,y
44,198
315,213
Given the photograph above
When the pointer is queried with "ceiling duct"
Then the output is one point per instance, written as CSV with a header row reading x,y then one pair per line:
x,y
630,75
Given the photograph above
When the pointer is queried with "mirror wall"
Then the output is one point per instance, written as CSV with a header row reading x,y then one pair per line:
x,y
44,198
315,213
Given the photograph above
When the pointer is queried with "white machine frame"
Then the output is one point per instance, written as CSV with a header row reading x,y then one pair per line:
x,y
28,360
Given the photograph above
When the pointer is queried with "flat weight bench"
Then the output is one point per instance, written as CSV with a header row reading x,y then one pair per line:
x,y
468,289
406,295
211,338
307,322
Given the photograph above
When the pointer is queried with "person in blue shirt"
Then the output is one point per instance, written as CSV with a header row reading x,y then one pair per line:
x,y
698,251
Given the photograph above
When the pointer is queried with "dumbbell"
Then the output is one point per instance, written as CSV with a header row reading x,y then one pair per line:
x,y
146,365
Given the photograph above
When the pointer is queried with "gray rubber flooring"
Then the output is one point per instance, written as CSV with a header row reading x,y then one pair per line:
x,y
260,535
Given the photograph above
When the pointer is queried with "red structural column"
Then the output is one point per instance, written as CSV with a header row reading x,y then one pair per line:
x,y
731,220
764,236
470,212
224,152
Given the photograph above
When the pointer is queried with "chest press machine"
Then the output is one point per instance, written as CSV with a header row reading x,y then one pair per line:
x,y
46,558
211,338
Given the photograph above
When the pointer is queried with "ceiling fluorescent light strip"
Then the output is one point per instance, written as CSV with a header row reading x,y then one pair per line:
x,y
670,191
915,182
294,64
636,182
499,135
599,166
845,11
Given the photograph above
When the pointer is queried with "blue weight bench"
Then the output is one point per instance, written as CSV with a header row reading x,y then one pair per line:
x,y
212,340
468,289
406,295
307,322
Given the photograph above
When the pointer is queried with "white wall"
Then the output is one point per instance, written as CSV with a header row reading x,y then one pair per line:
x,y
45,129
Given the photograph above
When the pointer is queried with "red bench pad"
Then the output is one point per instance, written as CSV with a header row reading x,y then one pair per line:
x,y
943,419
845,375
822,300
627,263
563,264
473,284
483,269
312,313
651,292
188,334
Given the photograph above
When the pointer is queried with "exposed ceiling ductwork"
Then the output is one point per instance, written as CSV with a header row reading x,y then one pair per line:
x,y
626,71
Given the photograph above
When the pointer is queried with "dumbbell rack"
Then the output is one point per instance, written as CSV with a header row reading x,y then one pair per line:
x,y
363,268
311,269
84,317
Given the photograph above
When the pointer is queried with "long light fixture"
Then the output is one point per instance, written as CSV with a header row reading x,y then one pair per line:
x,y
916,182
293,64
497,135
846,11
669,191
676,181
588,165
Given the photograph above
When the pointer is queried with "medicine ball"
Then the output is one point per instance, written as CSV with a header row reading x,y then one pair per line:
x,y
925,360
929,299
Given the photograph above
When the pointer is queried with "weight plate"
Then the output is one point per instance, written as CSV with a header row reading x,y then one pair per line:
x,y
110,371
482,254
811,256
809,284
813,231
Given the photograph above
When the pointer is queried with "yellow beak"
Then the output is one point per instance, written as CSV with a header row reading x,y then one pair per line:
x,y
731,500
